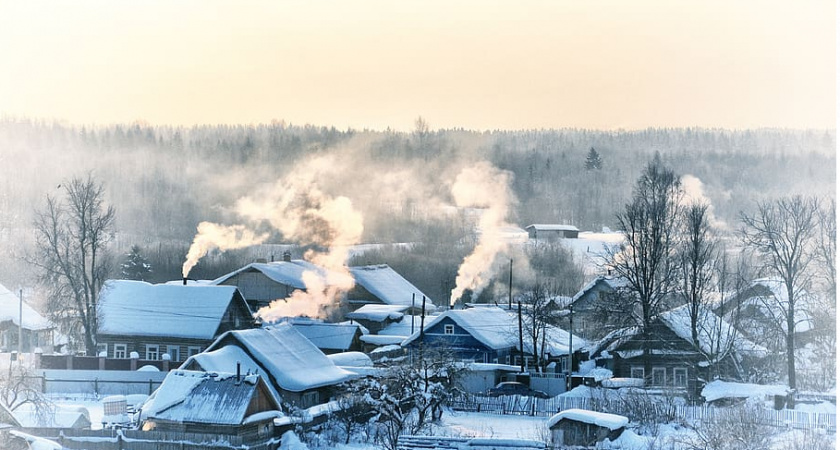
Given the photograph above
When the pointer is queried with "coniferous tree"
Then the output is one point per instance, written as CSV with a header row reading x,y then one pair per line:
x,y
135,266
593,160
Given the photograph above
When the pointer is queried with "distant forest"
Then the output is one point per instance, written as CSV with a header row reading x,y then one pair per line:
x,y
164,180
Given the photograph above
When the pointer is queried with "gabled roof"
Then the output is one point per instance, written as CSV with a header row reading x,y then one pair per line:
x,y
187,396
609,282
387,285
225,359
552,227
11,310
289,273
497,329
289,359
330,336
606,420
138,308
770,296
710,328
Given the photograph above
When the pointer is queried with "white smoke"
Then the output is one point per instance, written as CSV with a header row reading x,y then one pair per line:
x,y
486,187
211,235
694,193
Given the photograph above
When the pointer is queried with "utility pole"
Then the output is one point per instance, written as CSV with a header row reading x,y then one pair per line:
x,y
422,325
569,377
412,313
521,347
510,286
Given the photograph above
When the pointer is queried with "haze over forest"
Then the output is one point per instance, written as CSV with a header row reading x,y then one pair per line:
x,y
163,181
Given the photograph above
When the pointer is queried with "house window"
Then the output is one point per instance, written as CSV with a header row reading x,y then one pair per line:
x,y
681,377
174,352
564,364
449,329
119,351
102,349
637,372
193,351
659,376
152,352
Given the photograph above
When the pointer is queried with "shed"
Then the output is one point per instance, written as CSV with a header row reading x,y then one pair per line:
x,y
585,428
552,231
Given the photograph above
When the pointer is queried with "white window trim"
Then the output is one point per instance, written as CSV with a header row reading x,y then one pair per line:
x,y
685,376
177,355
149,348
193,350
635,369
124,348
449,329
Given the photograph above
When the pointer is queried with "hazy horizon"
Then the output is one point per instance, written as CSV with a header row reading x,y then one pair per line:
x,y
368,64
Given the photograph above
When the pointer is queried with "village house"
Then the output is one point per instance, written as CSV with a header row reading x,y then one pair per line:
x,y
551,232
584,428
489,334
173,319
760,307
379,284
377,317
19,319
676,362
295,369
330,337
226,404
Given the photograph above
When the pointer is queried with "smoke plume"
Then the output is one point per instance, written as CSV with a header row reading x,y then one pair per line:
x,y
486,187
211,235
299,208
693,188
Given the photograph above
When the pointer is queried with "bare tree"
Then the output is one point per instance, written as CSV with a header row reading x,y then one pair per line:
x,y
72,237
696,261
646,260
827,245
782,232
539,310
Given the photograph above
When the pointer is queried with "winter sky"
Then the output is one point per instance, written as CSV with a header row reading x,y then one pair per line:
x,y
481,64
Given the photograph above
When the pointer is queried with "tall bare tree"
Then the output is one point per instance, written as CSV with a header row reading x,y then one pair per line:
x,y
782,232
646,260
696,253
72,235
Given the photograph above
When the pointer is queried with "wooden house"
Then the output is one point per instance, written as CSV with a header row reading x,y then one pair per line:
x,y
379,284
584,428
551,232
174,319
292,366
19,319
330,337
676,361
592,306
489,334
375,318
220,403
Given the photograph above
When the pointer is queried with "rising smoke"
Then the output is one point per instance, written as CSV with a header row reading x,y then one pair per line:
x,y
211,235
694,193
488,188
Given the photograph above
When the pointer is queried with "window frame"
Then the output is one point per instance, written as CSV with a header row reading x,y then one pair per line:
x,y
636,369
193,350
124,348
177,355
659,371
684,372
149,352
449,329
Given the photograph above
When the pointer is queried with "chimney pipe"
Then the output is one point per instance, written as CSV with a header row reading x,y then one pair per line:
x,y
237,371
185,281
287,256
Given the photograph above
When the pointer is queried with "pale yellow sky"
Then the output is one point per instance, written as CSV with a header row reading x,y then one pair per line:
x,y
473,64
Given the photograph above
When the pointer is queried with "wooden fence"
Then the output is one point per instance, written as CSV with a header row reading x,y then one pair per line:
x,y
521,405
147,440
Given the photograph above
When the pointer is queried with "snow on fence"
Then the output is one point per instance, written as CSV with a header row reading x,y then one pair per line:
x,y
146,440
522,405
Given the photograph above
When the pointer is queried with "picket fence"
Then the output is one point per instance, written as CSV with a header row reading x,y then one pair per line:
x,y
522,405
74,439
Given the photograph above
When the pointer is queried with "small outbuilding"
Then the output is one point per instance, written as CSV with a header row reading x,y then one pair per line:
x,y
584,428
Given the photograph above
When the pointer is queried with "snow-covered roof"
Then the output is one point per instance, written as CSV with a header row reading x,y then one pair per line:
x,y
289,273
552,227
382,339
606,420
403,327
202,397
613,283
378,313
11,309
138,308
712,331
497,329
387,285
723,389
225,359
775,304
290,359
351,359
330,336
